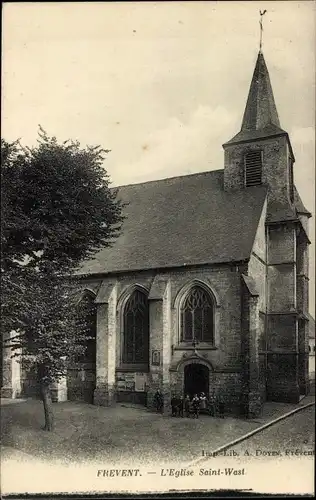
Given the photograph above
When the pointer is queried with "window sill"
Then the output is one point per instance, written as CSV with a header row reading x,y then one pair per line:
x,y
203,346
143,368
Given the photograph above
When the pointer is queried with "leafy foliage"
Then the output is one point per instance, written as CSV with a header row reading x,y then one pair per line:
x,y
57,210
57,201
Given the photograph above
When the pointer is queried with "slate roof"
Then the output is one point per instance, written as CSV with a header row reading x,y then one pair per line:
x,y
250,135
260,118
285,212
190,220
181,221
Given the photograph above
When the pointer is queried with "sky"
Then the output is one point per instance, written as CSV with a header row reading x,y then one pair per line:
x,y
161,84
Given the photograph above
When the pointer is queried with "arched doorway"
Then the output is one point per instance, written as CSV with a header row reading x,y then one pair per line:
x,y
196,379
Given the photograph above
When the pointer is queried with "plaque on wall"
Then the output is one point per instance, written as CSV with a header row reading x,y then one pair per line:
x,y
155,358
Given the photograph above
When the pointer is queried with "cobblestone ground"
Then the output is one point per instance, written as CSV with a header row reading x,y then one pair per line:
x,y
117,435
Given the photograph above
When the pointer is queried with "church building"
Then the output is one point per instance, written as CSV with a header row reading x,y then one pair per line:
x,y
206,288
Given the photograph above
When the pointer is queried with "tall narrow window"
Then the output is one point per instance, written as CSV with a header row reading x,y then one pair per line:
x,y
197,316
136,329
291,179
253,168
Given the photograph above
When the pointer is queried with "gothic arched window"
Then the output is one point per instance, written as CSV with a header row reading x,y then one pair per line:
x,y
197,316
136,329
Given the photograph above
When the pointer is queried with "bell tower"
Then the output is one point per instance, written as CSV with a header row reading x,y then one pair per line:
x,y
261,155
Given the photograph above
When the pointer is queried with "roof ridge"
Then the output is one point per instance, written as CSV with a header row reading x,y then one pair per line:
x,y
169,178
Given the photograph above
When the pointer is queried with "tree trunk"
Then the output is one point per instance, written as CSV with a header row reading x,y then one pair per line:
x,y
48,407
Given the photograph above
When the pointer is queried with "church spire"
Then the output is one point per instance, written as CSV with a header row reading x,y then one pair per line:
x,y
260,109
260,117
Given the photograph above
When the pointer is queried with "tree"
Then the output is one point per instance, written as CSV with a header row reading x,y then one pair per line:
x,y
57,209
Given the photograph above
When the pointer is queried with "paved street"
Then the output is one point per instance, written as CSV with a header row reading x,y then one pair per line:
x,y
278,459
293,437
294,433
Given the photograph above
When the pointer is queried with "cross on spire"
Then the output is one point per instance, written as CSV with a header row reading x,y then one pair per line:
x,y
261,27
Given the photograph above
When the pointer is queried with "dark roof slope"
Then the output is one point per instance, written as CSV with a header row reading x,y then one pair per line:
x,y
251,135
182,221
278,212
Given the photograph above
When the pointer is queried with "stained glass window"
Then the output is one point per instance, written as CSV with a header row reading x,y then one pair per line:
x,y
197,316
136,329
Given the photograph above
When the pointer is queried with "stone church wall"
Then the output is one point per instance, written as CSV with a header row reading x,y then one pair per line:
x,y
223,358
275,171
258,271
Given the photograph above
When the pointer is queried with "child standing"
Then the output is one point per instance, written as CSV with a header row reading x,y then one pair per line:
x,y
187,403
196,406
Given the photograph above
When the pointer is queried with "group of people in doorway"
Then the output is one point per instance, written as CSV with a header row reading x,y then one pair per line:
x,y
192,406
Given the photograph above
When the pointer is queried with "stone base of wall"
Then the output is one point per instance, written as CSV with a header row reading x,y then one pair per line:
x,y
104,396
8,392
132,397
305,388
284,394
254,406
312,385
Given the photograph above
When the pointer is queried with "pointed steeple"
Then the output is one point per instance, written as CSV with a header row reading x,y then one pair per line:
x,y
260,108
260,117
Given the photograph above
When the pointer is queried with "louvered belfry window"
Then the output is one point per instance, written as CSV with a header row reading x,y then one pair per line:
x,y
136,329
253,168
197,316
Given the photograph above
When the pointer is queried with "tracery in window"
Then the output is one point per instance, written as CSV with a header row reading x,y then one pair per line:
x,y
197,316
136,329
